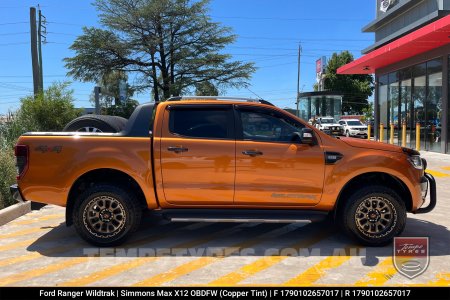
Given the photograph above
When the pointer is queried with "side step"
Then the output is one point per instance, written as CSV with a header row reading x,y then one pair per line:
x,y
243,215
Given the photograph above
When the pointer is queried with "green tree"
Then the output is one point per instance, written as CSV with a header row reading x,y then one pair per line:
x,y
174,40
110,101
50,110
356,88
368,112
206,88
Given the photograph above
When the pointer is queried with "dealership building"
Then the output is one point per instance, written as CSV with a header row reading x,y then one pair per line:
x,y
410,61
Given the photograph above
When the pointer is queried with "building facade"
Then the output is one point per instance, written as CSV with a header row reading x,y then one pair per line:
x,y
410,60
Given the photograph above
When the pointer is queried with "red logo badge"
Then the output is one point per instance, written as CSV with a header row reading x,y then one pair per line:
x,y
411,255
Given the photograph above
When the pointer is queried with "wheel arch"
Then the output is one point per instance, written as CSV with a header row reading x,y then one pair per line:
x,y
373,178
104,175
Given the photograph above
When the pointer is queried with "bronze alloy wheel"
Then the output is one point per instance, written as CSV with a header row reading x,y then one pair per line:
x,y
375,217
104,216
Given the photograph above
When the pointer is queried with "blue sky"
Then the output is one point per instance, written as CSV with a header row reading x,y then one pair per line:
x,y
269,33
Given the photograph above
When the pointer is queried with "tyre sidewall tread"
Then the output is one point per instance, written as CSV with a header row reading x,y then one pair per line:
x,y
348,222
126,198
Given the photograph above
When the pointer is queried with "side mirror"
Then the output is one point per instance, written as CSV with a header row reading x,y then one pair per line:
x,y
307,136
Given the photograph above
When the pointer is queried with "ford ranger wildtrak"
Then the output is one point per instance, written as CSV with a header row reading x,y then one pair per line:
x,y
221,159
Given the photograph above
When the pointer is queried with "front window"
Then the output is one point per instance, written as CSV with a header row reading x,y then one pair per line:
x,y
268,126
327,121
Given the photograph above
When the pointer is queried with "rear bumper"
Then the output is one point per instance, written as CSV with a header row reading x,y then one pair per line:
x,y
428,185
15,193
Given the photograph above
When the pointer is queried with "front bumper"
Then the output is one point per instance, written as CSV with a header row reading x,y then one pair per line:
x,y
428,184
15,193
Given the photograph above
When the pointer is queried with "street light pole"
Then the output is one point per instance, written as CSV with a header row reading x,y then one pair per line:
x,y
298,81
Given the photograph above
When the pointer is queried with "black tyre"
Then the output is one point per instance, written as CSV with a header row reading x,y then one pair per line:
x,y
96,123
106,215
374,215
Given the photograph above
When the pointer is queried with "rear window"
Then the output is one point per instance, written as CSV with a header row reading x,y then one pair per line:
x,y
201,122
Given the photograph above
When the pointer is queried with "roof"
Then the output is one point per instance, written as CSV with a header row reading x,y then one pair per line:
x,y
429,37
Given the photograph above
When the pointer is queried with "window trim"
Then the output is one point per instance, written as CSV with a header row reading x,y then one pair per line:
x,y
231,130
257,109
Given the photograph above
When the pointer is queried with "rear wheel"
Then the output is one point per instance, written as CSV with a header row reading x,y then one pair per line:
x,y
105,215
374,215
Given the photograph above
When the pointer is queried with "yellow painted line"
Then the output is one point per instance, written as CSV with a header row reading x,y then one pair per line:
x,y
437,173
443,279
44,218
8,280
16,244
446,168
261,264
383,272
195,264
317,271
35,255
177,272
21,232
119,268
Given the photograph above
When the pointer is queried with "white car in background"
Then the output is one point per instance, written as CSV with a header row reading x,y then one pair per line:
x,y
329,126
354,128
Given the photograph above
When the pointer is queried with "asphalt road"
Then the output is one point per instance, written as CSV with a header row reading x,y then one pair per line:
x,y
39,250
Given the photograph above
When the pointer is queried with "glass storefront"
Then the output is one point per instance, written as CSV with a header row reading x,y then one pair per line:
x,y
313,104
413,97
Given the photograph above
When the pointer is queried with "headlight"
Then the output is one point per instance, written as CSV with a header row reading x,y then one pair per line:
x,y
413,157
416,161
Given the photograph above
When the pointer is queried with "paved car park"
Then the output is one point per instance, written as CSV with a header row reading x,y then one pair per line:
x,y
37,249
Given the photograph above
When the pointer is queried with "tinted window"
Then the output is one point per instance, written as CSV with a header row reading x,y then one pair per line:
x,y
199,122
268,126
354,123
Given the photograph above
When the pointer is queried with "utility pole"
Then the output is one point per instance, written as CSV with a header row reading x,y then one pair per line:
x,y
97,91
41,34
298,80
34,51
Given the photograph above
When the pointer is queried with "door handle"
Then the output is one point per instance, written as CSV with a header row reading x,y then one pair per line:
x,y
252,153
177,149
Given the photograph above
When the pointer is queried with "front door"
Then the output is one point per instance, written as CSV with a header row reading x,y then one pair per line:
x,y
272,167
198,155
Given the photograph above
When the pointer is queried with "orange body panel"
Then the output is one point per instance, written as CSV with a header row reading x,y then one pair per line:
x,y
213,173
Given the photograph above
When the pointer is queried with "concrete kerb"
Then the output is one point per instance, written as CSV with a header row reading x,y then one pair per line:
x,y
14,211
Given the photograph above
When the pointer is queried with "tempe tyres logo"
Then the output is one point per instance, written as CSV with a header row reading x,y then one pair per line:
x,y
411,255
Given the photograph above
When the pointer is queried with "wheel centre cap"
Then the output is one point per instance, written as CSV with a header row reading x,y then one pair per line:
x,y
373,215
105,215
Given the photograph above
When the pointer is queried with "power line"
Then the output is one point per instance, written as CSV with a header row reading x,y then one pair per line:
x,y
303,39
12,23
18,43
14,33
291,19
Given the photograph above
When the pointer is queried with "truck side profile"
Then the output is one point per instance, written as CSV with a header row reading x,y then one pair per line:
x,y
203,159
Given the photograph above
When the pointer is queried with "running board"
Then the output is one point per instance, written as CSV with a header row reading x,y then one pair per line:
x,y
243,215
239,220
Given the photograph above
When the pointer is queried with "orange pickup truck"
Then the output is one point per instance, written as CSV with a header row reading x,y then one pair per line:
x,y
221,159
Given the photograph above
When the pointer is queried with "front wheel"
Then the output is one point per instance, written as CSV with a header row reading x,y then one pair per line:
x,y
374,215
105,215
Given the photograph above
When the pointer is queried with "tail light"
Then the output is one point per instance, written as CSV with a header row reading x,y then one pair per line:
x,y
21,153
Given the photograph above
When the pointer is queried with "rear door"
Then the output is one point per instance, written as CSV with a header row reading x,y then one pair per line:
x,y
272,167
198,154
